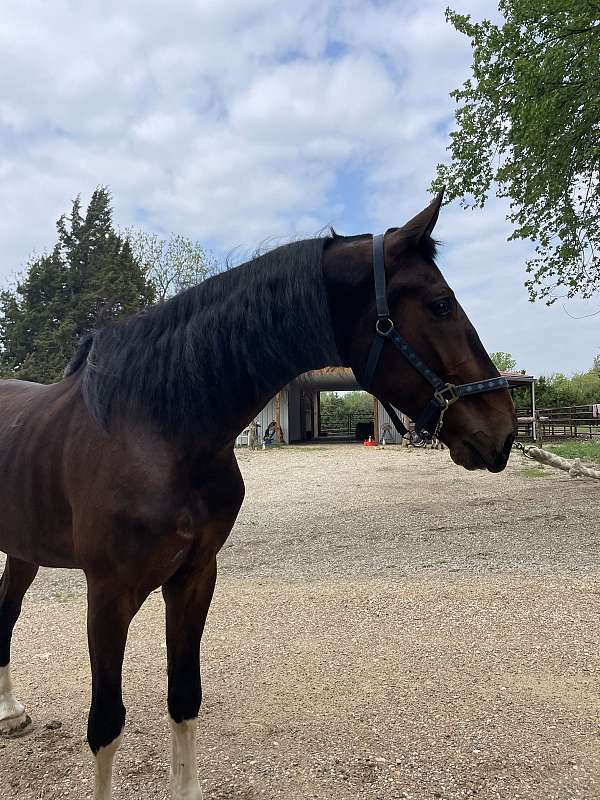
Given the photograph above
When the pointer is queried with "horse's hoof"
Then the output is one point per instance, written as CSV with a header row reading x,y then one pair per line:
x,y
15,727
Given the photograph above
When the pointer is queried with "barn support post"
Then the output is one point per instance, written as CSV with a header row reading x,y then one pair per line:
x,y
278,430
316,415
376,434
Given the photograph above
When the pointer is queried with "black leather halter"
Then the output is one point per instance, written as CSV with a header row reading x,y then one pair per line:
x,y
430,420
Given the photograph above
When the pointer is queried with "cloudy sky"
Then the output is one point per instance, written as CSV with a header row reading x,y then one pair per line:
x,y
232,122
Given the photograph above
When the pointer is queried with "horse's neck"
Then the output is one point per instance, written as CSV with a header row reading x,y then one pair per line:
x,y
201,366
286,333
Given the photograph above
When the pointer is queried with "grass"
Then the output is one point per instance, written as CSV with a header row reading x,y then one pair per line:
x,y
534,472
576,448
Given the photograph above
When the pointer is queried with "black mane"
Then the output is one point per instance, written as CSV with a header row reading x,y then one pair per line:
x,y
187,364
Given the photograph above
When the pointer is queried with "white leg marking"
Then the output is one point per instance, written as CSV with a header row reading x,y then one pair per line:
x,y
184,771
104,767
13,719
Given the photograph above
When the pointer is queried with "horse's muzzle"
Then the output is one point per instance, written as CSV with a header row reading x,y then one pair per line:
x,y
480,451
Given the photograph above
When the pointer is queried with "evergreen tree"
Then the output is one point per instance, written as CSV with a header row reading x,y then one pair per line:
x,y
90,276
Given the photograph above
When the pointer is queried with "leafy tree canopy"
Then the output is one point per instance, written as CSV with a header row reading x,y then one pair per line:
x,y
91,275
172,264
529,121
560,390
337,404
503,362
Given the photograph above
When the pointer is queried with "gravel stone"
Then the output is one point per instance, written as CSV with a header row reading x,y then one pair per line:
x,y
386,625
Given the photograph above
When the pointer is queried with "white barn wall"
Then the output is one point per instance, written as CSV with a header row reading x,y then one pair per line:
x,y
267,415
384,419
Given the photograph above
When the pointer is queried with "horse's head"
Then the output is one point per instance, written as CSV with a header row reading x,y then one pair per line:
x,y
479,427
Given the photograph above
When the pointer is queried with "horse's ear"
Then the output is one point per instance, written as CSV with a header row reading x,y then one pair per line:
x,y
421,226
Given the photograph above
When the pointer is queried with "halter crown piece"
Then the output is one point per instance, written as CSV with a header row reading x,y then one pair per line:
x,y
430,420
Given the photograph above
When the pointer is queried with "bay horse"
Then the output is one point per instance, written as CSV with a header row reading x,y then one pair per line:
x,y
126,470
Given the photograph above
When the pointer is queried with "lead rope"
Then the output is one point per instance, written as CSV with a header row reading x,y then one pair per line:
x,y
440,423
575,468
435,440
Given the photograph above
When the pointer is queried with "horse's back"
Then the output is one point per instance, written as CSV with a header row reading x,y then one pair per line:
x,y
14,388
23,407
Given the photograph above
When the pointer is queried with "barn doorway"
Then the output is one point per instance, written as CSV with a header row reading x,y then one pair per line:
x,y
329,405
345,415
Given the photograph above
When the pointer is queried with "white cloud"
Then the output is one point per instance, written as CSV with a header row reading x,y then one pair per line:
x,y
487,273
233,122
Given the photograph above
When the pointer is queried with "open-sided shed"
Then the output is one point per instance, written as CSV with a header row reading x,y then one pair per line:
x,y
296,408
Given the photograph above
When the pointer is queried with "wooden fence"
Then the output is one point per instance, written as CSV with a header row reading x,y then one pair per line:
x,y
566,422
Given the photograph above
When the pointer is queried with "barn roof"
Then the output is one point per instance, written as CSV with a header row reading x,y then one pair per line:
x,y
516,379
329,379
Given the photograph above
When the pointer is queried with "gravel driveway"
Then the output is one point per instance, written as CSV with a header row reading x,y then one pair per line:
x,y
386,625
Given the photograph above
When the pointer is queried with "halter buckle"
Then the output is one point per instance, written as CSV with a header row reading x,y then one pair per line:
x,y
446,396
384,320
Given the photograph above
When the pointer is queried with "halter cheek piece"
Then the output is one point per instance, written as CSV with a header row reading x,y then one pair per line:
x,y
430,420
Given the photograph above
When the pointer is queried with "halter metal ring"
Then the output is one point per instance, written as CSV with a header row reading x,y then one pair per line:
x,y
447,395
384,320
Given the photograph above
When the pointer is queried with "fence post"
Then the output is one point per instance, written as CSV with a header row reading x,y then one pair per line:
x,y
539,432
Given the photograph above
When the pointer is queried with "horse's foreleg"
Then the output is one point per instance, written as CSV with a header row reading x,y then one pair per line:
x,y
17,578
110,611
187,598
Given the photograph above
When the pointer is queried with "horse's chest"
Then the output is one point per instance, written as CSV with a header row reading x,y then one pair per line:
x,y
202,525
172,526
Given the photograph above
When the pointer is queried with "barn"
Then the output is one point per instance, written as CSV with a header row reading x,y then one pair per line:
x,y
296,409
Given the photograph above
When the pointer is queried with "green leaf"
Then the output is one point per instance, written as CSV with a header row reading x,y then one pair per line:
x,y
528,128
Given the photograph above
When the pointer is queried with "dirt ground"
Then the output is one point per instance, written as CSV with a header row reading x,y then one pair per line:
x,y
386,625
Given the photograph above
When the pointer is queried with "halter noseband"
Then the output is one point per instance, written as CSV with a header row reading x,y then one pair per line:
x,y
430,420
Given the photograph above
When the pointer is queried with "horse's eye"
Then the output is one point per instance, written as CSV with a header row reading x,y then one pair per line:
x,y
442,308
